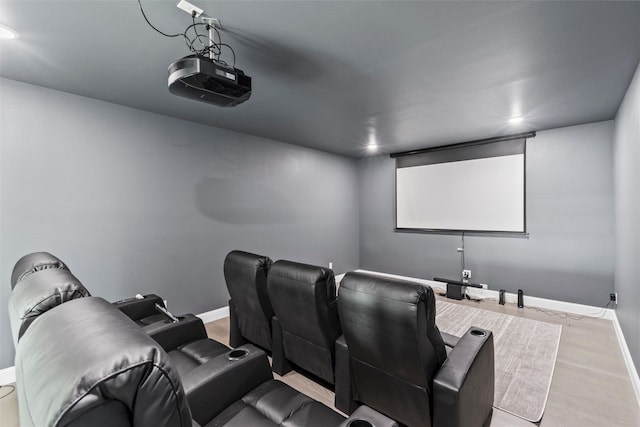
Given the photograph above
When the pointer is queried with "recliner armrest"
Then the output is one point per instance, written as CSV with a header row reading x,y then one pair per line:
x,y
344,390
449,340
463,389
213,386
171,335
137,309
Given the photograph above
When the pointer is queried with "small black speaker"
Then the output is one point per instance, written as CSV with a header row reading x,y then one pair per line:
x,y
501,299
520,298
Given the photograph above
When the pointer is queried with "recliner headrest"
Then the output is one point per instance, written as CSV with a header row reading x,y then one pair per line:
x,y
38,293
304,273
388,287
33,262
248,259
85,360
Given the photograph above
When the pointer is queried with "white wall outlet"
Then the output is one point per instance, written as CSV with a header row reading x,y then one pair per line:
x,y
484,286
190,8
330,265
466,274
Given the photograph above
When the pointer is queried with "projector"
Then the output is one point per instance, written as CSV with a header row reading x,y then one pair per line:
x,y
207,80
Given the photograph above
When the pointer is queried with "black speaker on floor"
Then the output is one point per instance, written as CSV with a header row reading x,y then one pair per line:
x,y
520,298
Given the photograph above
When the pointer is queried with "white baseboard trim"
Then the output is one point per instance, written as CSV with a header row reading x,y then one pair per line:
x,y
563,306
213,315
549,304
8,375
626,354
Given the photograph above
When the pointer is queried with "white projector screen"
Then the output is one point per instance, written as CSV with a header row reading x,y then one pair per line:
x,y
480,194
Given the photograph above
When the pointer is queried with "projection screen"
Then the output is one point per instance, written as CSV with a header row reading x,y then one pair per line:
x,y
463,187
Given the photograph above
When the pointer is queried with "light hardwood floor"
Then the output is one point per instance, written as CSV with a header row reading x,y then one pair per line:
x,y
590,386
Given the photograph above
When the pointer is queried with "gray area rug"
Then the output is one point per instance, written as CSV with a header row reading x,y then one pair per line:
x,y
525,355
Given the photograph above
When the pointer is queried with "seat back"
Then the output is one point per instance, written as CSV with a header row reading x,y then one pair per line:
x,y
86,363
304,301
395,348
246,277
38,292
33,262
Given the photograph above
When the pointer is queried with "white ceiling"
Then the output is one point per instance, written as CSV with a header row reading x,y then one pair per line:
x,y
327,74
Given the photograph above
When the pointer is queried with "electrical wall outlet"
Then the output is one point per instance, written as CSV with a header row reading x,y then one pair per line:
x,y
189,8
614,297
331,265
466,274
484,286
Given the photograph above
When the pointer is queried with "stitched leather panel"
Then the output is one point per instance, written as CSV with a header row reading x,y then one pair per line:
x,y
86,353
276,404
204,350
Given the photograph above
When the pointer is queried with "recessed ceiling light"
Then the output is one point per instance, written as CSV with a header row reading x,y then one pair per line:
x,y
7,33
515,120
372,147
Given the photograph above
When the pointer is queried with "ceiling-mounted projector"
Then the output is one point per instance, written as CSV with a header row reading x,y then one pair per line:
x,y
205,79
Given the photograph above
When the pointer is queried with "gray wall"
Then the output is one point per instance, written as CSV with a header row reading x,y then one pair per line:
x,y
627,203
569,254
138,202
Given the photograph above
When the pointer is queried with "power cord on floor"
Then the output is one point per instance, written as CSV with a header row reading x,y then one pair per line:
x,y
571,316
470,298
12,389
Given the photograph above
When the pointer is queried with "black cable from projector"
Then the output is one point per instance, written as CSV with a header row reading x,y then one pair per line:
x,y
144,15
214,47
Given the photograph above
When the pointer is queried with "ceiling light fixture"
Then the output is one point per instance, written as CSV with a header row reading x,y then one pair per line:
x,y
372,147
7,32
516,120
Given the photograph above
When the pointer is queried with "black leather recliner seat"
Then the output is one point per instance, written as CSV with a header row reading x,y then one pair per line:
x,y
250,310
44,282
67,286
306,323
398,360
85,363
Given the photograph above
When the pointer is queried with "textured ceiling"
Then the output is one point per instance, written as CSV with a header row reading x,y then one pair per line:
x,y
328,74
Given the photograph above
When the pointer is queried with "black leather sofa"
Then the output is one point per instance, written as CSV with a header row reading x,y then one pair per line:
x,y
43,282
82,361
399,364
85,363
40,281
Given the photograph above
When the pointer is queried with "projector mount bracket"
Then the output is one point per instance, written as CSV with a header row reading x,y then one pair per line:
x,y
213,24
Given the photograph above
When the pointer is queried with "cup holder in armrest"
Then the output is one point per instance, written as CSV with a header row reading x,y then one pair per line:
x,y
478,333
367,417
238,354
